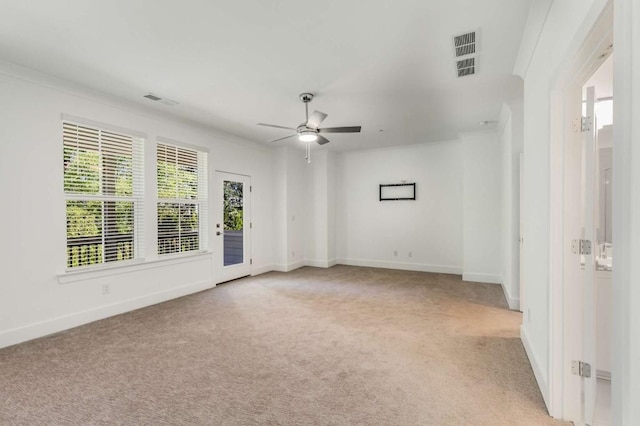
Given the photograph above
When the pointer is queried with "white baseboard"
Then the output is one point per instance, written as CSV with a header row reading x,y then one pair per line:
x,y
318,263
481,278
513,302
290,267
421,267
43,328
534,360
257,270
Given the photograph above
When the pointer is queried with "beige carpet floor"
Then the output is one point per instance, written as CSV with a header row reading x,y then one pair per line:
x,y
338,346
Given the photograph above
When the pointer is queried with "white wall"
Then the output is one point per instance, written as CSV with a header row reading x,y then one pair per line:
x,y
293,226
279,206
320,249
626,221
332,189
511,134
482,192
369,231
297,207
34,298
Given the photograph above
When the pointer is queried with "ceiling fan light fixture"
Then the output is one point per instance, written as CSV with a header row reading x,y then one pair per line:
x,y
307,136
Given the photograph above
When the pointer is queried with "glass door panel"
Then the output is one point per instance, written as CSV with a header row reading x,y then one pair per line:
x,y
233,205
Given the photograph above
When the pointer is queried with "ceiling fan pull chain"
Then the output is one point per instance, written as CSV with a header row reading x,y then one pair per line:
x,y
308,156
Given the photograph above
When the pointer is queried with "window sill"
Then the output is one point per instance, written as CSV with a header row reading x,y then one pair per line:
x,y
72,276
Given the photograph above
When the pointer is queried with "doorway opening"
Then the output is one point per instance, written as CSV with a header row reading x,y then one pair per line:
x,y
582,152
598,91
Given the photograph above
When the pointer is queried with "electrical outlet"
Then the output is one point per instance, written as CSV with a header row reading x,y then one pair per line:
x,y
395,253
106,288
410,254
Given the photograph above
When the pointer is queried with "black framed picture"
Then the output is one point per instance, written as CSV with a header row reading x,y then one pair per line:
x,y
397,191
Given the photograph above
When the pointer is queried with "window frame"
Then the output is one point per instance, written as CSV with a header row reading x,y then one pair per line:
x,y
201,201
136,198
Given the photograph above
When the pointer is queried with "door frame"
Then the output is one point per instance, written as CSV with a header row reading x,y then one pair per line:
x,y
218,255
566,326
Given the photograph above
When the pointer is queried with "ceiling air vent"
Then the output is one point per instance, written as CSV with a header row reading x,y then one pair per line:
x,y
161,100
466,67
465,44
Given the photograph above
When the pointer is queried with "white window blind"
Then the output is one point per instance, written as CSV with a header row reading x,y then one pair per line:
x,y
103,186
182,199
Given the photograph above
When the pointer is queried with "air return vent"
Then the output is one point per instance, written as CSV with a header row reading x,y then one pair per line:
x,y
465,44
161,100
466,67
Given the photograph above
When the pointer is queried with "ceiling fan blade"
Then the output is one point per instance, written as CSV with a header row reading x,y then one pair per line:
x,y
315,119
322,140
276,126
351,129
279,139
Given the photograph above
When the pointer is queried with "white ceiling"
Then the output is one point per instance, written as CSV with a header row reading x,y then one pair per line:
x,y
382,64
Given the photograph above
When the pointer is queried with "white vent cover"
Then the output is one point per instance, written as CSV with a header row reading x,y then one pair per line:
x,y
465,44
466,67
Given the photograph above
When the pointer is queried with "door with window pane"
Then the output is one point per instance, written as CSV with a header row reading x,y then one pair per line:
x,y
232,226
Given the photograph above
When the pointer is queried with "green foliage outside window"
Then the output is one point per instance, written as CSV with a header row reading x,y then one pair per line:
x,y
233,217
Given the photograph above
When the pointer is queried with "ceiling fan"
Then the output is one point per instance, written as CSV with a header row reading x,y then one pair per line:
x,y
309,130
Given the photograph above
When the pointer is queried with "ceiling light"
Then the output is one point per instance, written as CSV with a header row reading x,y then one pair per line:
x,y
307,136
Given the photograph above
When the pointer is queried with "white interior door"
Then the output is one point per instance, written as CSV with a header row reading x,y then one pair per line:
x,y
232,226
587,260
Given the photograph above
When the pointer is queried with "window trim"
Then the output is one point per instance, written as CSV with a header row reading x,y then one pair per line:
x,y
103,126
90,272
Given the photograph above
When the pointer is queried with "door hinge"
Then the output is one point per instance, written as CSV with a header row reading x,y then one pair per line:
x,y
250,225
250,188
250,261
582,124
582,369
581,246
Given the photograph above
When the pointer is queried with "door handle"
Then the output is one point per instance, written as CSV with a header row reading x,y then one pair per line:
x,y
219,233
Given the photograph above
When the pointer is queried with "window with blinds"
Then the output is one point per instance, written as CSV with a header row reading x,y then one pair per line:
x,y
103,186
182,199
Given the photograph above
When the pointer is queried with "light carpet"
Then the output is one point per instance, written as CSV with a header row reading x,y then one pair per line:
x,y
338,346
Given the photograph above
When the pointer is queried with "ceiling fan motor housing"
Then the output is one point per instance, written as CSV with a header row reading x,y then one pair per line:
x,y
304,128
306,97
